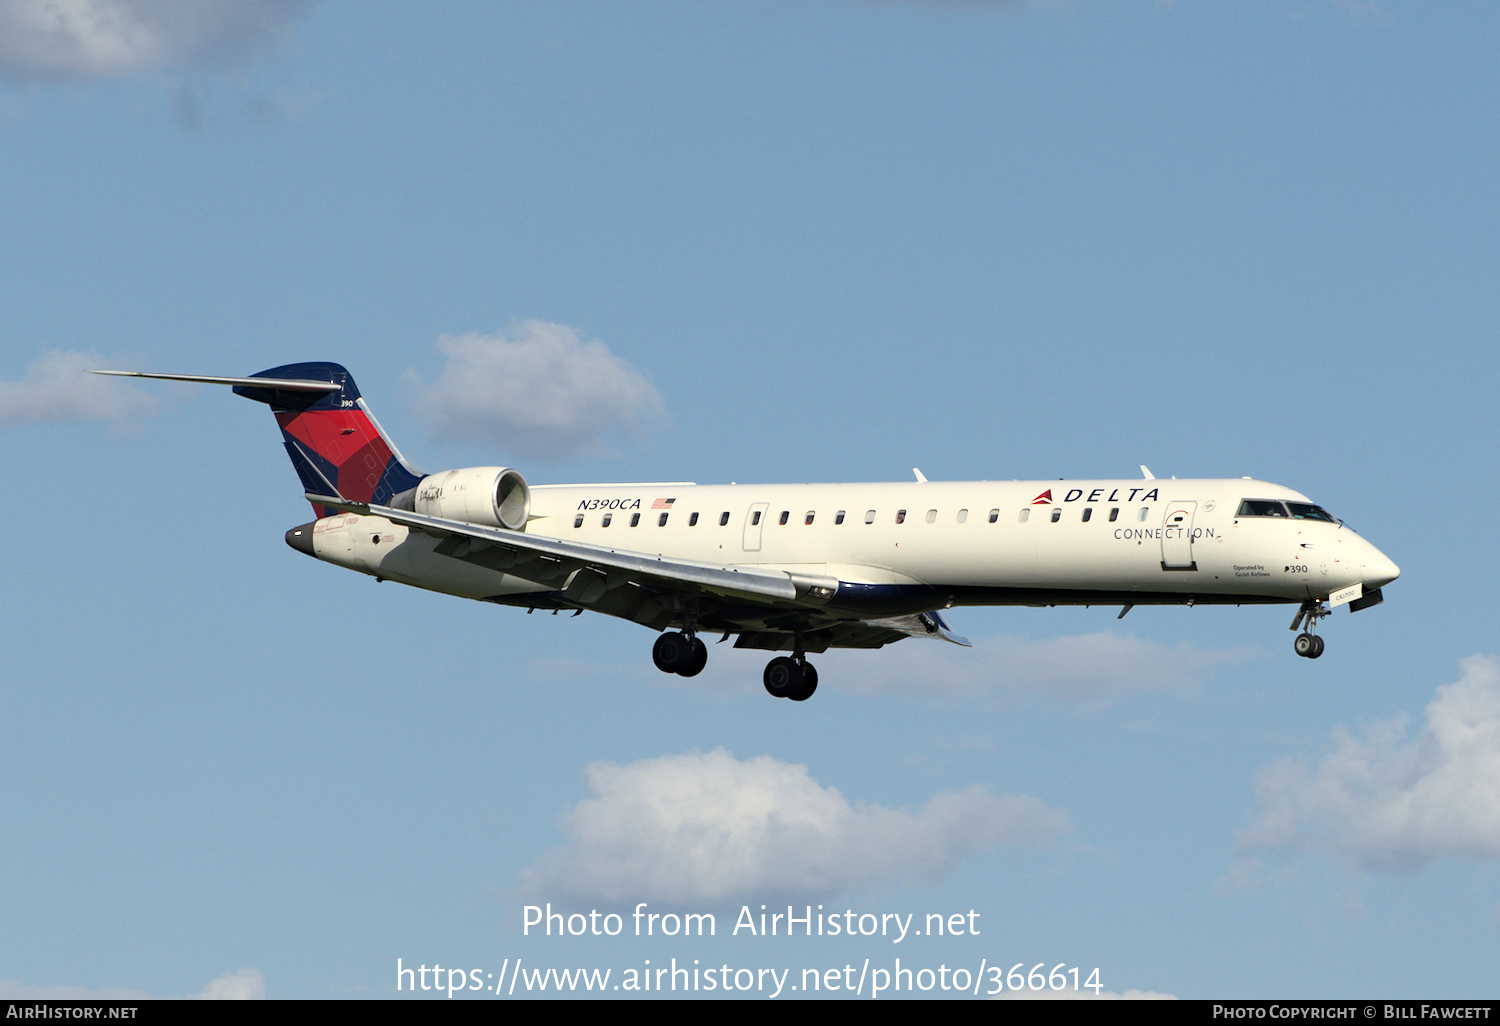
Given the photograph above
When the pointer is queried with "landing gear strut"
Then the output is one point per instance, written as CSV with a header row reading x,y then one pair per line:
x,y
683,654
791,677
1308,644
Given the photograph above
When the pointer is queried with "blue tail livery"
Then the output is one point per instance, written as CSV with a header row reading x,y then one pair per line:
x,y
335,444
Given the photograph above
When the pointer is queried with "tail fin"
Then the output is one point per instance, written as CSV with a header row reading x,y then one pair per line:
x,y
336,445
334,441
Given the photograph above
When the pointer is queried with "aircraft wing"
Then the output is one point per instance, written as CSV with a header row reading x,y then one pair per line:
x,y
585,572
593,576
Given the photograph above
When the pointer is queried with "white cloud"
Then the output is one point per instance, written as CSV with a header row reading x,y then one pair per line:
x,y
58,387
1387,802
242,985
1086,670
1247,873
537,390
245,985
712,828
1241,876
79,40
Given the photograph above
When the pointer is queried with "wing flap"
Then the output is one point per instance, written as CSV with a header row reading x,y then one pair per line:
x,y
852,634
920,625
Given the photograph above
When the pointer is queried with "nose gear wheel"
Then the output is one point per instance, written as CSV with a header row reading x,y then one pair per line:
x,y
1308,644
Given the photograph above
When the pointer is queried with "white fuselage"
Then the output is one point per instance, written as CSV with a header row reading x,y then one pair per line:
x,y
795,568
975,542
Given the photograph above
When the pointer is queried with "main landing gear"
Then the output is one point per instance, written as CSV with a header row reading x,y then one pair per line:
x,y
684,654
791,677
1308,644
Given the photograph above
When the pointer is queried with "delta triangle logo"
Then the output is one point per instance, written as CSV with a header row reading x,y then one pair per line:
x,y
1043,499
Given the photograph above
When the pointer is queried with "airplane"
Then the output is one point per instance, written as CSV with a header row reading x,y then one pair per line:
x,y
797,568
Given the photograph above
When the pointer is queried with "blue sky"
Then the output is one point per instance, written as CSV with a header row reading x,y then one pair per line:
x,y
813,241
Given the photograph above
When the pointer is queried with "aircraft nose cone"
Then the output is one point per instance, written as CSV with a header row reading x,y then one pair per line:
x,y
301,538
1380,572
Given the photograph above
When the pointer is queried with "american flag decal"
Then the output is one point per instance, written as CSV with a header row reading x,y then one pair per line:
x,y
663,504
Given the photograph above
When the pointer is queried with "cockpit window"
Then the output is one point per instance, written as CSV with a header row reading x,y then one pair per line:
x,y
1261,508
1307,511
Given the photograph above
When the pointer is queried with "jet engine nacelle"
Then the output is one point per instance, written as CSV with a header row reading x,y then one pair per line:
x,y
492,496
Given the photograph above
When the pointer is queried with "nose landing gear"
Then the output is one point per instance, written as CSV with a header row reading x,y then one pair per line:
x,y
1308,644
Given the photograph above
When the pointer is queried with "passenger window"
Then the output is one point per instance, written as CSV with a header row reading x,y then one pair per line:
x,y
994,515
1025,515
809,517
963,515
1056,514
932,516
839,517
723,519
635,519
784,515
1088,513
607,518
870,516
1141,516
693,520
578,520
755,518
900,516
1114,514
661,521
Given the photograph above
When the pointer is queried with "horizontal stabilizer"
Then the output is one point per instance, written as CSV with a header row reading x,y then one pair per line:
x,y
279,384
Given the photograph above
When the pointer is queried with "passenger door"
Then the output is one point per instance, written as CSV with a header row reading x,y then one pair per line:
x,y
755,521
1177,536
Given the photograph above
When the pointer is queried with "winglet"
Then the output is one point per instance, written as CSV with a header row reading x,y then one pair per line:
x,y
1146,473
921,478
